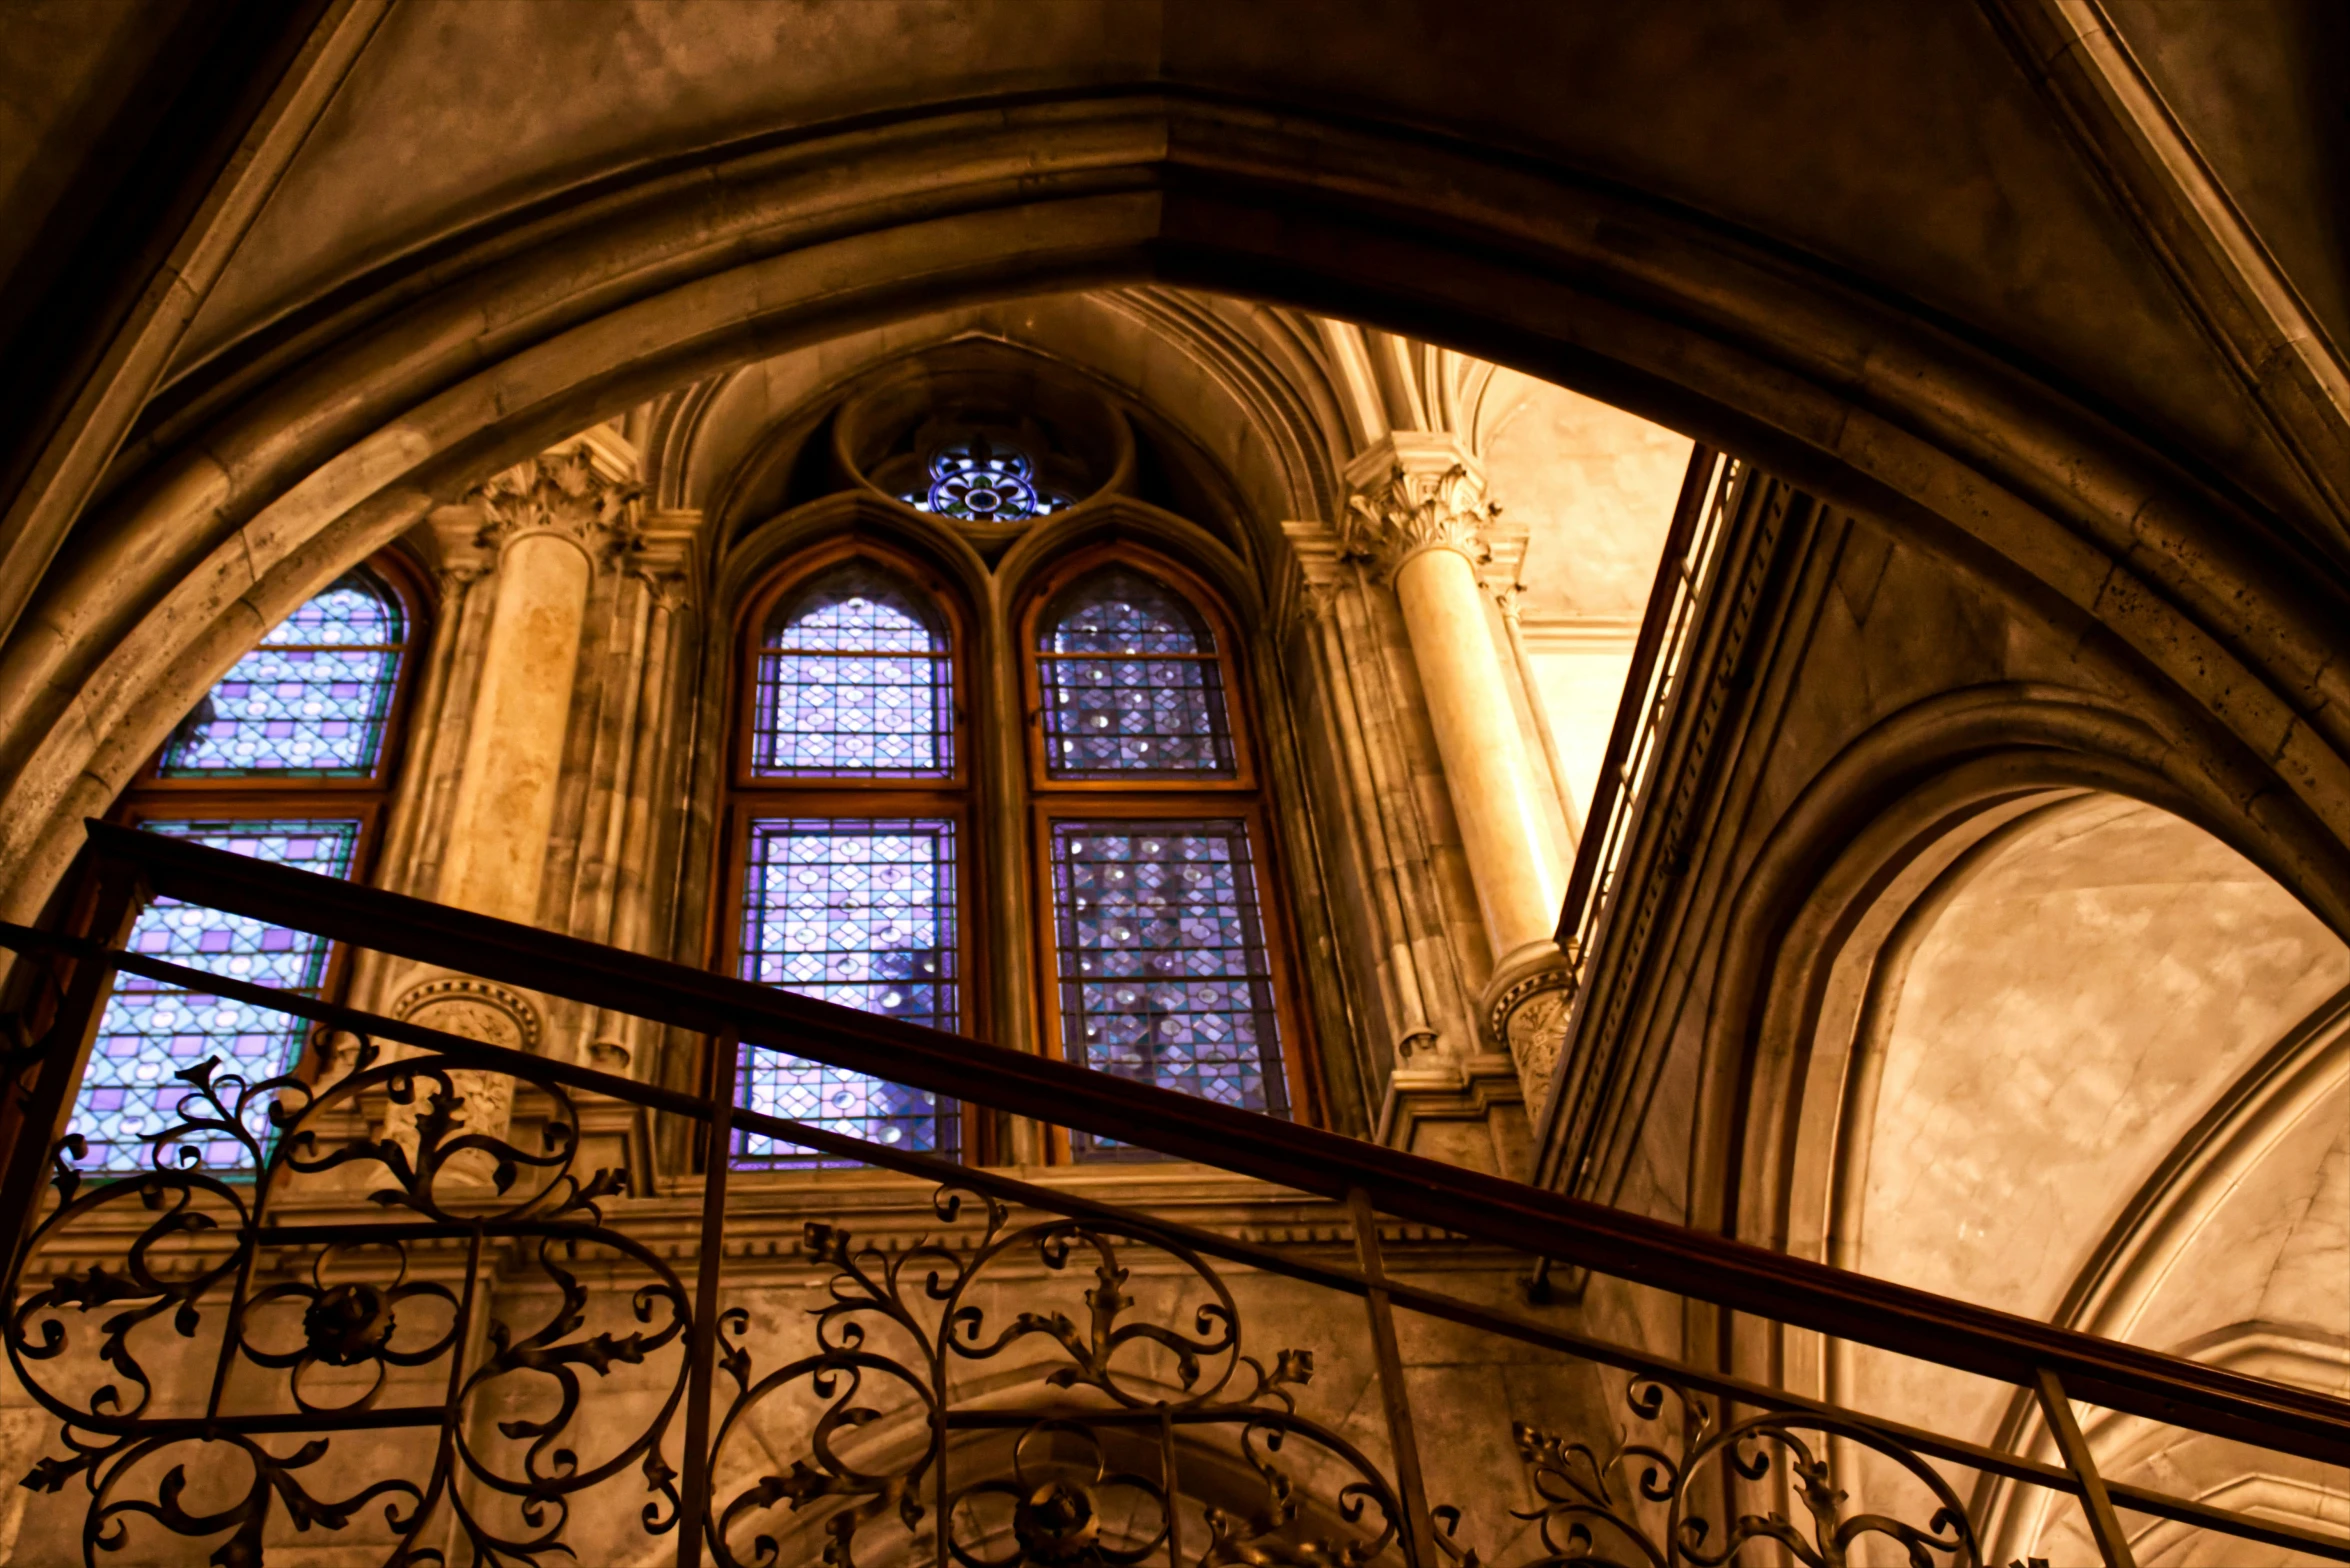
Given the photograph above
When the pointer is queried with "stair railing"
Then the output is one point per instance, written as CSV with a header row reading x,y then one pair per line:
x,y
1718,1464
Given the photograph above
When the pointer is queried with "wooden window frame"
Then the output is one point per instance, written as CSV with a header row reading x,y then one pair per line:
x,y
1163,798
848,797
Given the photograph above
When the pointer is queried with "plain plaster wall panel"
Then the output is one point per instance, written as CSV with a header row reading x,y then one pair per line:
x,y
1593,485
1581,690
2073,1012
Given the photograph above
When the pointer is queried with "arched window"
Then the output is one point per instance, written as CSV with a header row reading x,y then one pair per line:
x,y
854,681
311,701
848,826
1131,683
287,758
1157,936
1152,842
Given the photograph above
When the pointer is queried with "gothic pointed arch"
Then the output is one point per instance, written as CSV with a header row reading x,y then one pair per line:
x,y
290,757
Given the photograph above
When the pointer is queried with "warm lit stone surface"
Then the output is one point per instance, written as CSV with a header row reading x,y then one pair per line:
x,y
1510,851
506,795
2071,1015
2075,1009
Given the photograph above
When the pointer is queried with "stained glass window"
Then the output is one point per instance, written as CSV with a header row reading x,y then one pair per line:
x,y
312,700
854,678
861,913
150,1031
1162,964
1131,684
983,482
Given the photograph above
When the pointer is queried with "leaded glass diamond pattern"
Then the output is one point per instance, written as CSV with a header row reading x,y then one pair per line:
x,y
312,700
861,913
854,679
151,1031
1131,684
1163,972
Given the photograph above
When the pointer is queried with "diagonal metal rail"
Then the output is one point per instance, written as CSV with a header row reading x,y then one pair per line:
x,y
1729,1273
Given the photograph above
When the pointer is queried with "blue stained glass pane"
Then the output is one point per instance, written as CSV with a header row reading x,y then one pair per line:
x,y
1163,973
854,679
311,700
151,1031
861,913
1131,684
984,482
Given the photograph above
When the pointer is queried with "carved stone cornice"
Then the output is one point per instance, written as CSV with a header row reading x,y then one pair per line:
x,y
1310,573
573,493
1411,493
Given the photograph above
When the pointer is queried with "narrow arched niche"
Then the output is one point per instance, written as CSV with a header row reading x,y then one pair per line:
x,y
2098,1077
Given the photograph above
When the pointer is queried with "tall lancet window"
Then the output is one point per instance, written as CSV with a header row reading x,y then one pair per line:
x,y
287,758
1152,842
849,813
1132,684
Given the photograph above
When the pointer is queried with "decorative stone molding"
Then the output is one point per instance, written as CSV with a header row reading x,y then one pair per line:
x,y
662,552
1468,1111
477,1010
575,492
1525,1007
1411,493
1309,576
1505,557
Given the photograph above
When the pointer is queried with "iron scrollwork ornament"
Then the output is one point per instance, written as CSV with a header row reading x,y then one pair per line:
x,y
1589,1509
1042,1436
304,1335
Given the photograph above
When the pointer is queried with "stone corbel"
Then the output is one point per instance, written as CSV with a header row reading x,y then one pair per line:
x,y
1525,1013
662,553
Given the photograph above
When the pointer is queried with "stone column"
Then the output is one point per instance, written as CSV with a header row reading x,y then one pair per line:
x,y
1419,509
548,520
550,523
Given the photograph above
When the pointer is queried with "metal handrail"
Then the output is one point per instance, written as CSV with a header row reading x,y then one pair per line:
x,y
1665,626
1732,1274
476,1055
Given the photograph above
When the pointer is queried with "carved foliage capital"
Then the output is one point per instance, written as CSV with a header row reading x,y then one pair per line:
x,y
1417,508
567,493
1526,1014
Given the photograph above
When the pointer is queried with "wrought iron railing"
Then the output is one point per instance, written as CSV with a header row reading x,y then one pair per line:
x,y
399,1333
1628,855
1691,546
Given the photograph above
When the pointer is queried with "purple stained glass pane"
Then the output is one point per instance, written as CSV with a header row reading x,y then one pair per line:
x,y
1161,953
151,1031
311,700
861,913
1131,684
854,679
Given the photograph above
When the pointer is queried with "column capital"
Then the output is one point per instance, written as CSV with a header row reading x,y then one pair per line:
x,y
575,492
1415,491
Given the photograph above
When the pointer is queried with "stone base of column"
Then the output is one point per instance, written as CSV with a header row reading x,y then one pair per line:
x,y
1468,1113
1525,1013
